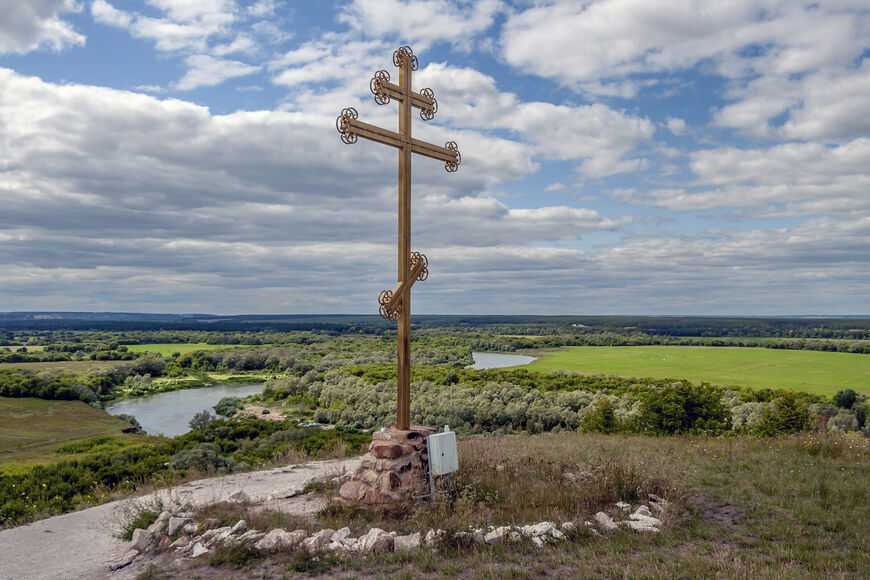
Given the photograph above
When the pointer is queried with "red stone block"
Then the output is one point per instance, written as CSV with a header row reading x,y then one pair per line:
x,y
387,450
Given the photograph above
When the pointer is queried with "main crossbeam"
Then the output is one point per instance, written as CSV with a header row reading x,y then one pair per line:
x,y
350,128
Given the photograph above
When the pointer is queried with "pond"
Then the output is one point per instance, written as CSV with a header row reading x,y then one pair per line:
x,y
492,360
169,413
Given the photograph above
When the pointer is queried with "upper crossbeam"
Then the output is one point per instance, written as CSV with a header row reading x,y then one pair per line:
x,y
384,90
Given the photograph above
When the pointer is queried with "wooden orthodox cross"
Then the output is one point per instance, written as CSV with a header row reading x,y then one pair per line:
x,y
413,266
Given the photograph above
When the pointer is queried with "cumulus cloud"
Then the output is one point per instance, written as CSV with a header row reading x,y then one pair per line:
x,y
780,57
421,22
675,125
101,184
34,24
207,71
202,33
788,179
595,133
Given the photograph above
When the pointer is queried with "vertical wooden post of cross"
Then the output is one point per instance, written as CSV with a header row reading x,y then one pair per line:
x,y
395,304
403,362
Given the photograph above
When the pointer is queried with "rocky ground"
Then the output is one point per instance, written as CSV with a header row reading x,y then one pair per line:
x,y
84,544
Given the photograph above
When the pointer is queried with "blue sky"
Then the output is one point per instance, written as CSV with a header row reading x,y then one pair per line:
x,y
619,156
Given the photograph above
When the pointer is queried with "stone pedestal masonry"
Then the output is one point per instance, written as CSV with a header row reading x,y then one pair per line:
x,y
395,468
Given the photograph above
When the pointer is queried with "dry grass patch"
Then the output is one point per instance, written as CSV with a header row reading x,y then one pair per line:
x,y
790,507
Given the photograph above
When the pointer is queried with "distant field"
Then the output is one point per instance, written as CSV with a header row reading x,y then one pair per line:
x,y
822,373
31,429
166,349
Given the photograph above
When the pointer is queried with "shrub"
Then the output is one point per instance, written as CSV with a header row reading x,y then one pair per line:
x,y
684,408
601,417
204,457
785,414
201,420
845,398
228,406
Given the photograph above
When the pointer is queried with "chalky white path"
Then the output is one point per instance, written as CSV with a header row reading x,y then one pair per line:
x,y
83,544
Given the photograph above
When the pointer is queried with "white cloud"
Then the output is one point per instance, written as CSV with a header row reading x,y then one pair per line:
x,y
595,133
119,185
675,125
779,56
420,22
587,42
29,25
104,12
789,179
207,71
202,32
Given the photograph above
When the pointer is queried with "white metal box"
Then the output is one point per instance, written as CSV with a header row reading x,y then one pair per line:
x,y
442,453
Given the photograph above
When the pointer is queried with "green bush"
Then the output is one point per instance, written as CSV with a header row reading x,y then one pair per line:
x,y
786,414
601,418
205,457
228,406
201,420
684,408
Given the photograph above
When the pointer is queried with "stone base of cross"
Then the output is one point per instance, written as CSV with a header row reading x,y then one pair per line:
x,y
395,304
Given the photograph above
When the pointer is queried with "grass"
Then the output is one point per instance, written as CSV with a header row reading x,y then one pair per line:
x,y
142,520
743,507
822,373
31,430
166,349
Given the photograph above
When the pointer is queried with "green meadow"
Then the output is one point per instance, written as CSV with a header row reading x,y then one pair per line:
x,y
166,349
823,373
31,429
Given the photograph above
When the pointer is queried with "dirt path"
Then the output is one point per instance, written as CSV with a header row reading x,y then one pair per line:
x,y
83,544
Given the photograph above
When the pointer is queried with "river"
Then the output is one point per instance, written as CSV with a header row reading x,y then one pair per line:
x,y
492,360
169,413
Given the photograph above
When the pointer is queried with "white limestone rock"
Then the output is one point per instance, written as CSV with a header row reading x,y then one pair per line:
x,y
376,540
341,535
141,539
605,522
198,550
252,536
542,529
123,561
287,493
642,526
641,511
623,506
175,523
495,535
240,527
409,543
239,496
279,539
651,521
318,541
